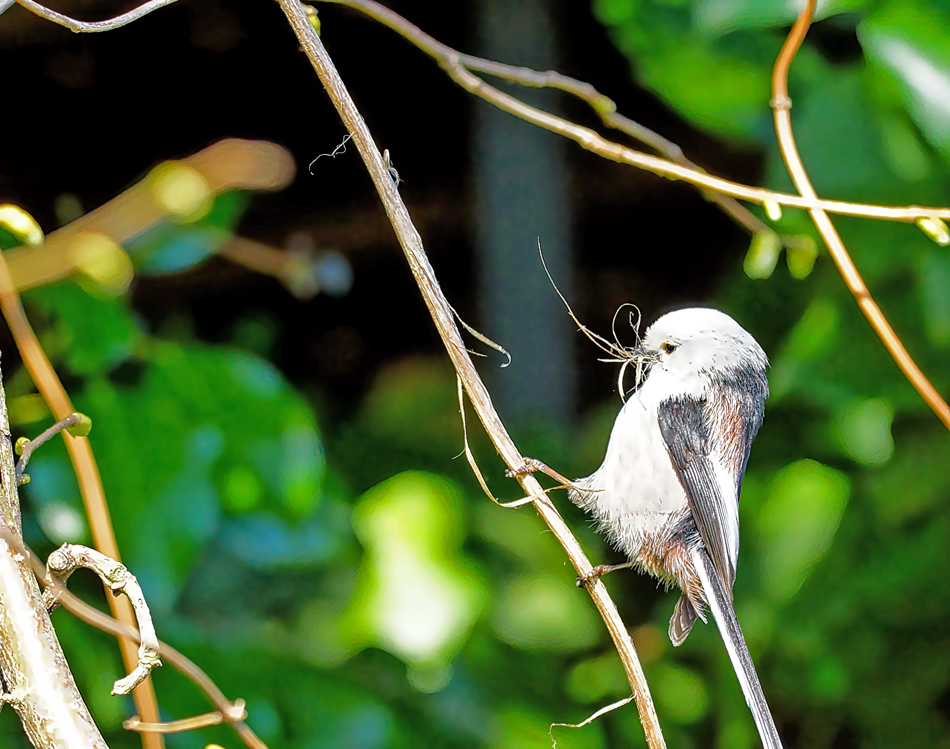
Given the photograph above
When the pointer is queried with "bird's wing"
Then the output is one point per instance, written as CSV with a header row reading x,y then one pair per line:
x,y
710,487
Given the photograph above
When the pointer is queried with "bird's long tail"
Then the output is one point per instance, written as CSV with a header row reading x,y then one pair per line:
x,y
720,604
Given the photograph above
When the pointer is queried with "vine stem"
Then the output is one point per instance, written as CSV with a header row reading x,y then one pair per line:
x,y
443,318
87,474
781,105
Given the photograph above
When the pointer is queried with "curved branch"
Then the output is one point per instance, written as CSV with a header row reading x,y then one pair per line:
x,y
228,164
442,316
68,558
91,27
781,104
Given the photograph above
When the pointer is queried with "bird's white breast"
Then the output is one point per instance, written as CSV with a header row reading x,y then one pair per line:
x,y
640,494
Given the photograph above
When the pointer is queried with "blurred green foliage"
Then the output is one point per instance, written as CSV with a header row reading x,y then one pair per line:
x,y
353,585
845,504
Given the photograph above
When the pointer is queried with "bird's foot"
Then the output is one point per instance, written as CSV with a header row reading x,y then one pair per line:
x,y
531,465
599,571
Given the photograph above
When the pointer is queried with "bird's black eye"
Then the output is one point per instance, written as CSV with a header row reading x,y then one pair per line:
x,y
668,347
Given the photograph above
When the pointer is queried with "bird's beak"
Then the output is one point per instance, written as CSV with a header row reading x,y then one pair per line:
x,y
643,355
642,359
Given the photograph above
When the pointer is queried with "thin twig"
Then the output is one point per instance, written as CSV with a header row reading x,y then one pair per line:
x,y
781,104
87,475
91,27
442,316
205,720
232,710
593,716
70,557
454,65
25,447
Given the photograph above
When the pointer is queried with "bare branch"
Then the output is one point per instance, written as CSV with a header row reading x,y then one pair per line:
x,y
603,106
25,447
68,558
216,718
442,316
459,67
455,65
37,678
87,474
91,27
233,712
781,104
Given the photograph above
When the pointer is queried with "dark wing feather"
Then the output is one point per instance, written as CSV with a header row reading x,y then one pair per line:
x,y
685,430
741,395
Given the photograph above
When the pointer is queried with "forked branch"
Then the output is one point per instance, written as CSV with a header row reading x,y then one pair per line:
x,y
228,711
36,678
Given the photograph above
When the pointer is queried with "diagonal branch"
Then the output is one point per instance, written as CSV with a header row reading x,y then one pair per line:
x,y
782,104
441,313
228,164
459,67
456,65
603,106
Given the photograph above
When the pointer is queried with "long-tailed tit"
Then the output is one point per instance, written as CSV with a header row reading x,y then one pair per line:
x,y
667,493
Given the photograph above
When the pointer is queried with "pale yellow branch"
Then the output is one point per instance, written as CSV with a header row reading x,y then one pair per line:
x,y
456,66
849,272
444,321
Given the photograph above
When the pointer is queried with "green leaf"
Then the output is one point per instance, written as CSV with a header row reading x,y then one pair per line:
x,y
724,16
798,522
864,429
719,92
417,595
721,86
92,335
933,272
170,445
908,42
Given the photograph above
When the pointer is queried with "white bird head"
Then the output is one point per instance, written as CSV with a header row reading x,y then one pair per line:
x,y
689,349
